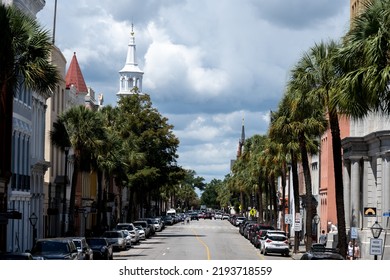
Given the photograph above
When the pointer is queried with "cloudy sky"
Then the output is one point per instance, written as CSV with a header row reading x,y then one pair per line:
x,y
208,64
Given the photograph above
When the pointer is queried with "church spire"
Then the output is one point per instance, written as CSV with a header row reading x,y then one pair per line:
x,y
130,74
75,77
241,141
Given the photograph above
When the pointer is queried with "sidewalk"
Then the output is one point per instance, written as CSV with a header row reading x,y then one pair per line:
x,y
301,251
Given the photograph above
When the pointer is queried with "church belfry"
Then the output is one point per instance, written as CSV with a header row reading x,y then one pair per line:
x,y
130,80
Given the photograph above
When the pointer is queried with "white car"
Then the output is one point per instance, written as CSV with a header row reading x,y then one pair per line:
x,y
225,216
116,238
134,234
141,232
239,220
127,238
218,215
275,243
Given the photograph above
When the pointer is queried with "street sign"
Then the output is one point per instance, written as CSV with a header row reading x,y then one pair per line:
x,y
354,233
288,219
298,222
252,212
376,245
386,214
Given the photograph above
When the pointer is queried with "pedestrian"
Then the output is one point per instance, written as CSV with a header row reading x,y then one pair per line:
x,y
356,251
352,250
323,238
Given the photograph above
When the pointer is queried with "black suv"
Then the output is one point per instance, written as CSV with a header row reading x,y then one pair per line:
x,y
102,249
320,252
55,249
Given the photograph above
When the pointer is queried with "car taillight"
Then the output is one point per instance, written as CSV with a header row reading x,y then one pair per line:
x,y
286,241
268,241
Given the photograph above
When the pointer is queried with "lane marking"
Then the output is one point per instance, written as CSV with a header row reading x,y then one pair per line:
x,y
204,244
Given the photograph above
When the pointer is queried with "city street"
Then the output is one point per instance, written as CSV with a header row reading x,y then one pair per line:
x,y
198,240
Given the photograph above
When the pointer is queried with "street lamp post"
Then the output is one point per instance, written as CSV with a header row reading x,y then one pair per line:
x,y
376,231
33,222
66,149
85,213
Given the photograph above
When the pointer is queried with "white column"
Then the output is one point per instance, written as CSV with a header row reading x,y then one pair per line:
x,y
365,190
386,184
355,193
347,191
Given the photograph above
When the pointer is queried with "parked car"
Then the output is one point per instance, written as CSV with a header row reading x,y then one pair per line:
x,y
134,233
320,252
16,256
239,220
116,238
225,216
141,232
55,249
261,231
127,235
102,249
152,229
145,226
168,220
82,246
208,215
275,243
218,215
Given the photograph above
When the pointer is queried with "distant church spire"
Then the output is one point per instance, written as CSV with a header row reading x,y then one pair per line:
x,y
241,140
130,75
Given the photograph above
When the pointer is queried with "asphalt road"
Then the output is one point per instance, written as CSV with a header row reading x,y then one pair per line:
x,y
198,240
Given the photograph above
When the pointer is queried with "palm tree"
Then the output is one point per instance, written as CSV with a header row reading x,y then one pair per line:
x,y
321,73
24,58
84,130
308,118
366,67
282,131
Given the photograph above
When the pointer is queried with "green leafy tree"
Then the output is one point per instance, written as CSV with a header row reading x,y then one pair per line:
x,y
209,196
148,133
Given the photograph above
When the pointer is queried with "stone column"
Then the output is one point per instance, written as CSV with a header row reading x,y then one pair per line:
x,y
347,190
355,192
386,184
366,188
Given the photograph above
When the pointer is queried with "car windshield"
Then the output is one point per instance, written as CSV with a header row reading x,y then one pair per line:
x,y
111,234
128,227
96,241
47,246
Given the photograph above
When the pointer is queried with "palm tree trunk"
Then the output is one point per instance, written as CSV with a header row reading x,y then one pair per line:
x,y
338,177
99,198
283,208
295,181
261,213
72,199
309,194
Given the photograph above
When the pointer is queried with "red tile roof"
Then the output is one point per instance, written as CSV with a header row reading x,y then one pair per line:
x,y
75,77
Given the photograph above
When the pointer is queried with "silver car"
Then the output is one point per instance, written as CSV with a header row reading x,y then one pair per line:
x,y
134,233
116,238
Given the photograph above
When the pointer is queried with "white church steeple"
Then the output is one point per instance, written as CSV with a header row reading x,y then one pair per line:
x,y
130,75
